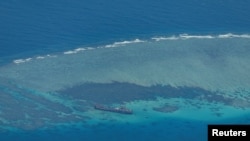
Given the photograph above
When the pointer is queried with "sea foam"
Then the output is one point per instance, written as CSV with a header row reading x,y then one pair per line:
x,y
116,44
212,62
183,36
191,60
187,36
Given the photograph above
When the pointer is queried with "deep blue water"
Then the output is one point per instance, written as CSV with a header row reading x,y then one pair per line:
x,y
39,27
34,27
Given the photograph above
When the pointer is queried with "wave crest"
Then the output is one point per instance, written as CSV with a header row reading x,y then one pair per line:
x,y
187,36
184,36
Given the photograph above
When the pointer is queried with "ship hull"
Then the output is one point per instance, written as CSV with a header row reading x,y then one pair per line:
x,y
114,110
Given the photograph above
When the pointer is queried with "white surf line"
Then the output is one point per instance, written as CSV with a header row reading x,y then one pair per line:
x,y
77,50
122,43
18,61
117,44
230,35
22,60
187,36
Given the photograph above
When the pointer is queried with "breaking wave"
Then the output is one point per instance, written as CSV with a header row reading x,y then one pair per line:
x,y
211,62
206,69
186,36
126,42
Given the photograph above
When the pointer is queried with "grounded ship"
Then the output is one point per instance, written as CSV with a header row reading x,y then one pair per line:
x,y
122,110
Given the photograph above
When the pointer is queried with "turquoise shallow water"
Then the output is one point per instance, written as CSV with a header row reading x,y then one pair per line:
x,y
175,85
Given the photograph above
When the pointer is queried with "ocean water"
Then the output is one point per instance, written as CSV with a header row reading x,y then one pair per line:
x,y
179,65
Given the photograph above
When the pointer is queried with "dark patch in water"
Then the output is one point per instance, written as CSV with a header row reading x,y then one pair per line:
x,y
25,110
218,114
125,92
166,108
116,92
